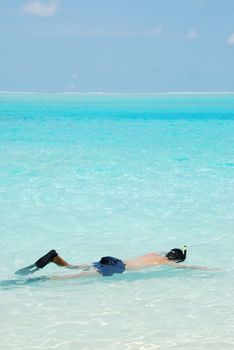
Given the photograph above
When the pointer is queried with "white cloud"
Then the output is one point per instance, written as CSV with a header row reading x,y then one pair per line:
x,y
230,40
191,34
40,8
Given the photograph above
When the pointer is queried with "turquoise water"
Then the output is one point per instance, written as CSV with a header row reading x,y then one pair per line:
x,y
121,175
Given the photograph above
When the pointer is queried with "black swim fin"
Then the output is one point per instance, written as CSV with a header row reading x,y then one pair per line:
x,y
46,259
39,264
27,270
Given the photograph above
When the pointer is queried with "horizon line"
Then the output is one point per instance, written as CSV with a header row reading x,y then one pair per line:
x,y
118,93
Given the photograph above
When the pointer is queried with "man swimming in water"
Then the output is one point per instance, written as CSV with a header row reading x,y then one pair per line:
x,y
109,265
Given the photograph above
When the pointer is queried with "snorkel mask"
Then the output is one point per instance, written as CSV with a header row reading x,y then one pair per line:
x,y
177,255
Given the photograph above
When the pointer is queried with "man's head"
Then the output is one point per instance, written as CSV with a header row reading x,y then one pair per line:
x,y
177,255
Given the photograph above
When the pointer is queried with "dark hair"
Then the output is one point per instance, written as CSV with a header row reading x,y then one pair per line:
x,y
176,255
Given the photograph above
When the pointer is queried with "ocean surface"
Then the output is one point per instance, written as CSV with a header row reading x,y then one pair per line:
x,y
117,174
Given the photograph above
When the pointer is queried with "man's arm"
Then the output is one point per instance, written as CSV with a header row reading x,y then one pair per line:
x,y
204,268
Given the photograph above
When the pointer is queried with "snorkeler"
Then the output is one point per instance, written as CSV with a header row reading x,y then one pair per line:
x,y
109,265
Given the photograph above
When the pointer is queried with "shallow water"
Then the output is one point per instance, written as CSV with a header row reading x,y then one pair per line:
x,y
121,175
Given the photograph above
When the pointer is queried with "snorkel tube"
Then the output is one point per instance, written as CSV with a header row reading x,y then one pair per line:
x,y
184,251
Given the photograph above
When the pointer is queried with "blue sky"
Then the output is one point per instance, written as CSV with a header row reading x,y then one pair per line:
x,y
117,45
